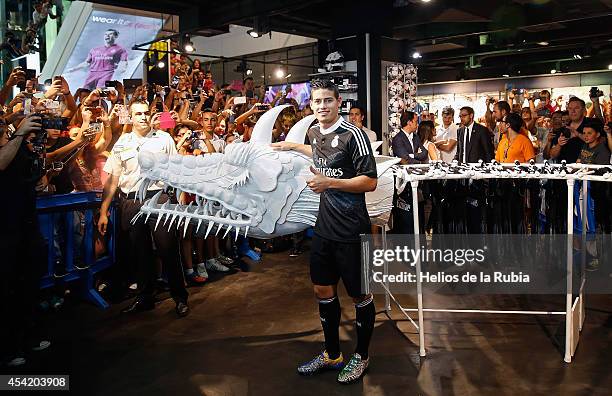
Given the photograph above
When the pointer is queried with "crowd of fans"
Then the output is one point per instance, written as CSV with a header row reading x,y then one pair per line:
x,y
570,132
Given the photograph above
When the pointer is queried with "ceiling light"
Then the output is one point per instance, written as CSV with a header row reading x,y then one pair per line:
x,y
553,71
187,43
280,73
543,43
261,26
610,66
161,64
506,75
249,72
425,1
577,56
288,75
416,55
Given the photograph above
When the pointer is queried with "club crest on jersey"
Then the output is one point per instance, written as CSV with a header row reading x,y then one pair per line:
x,y
334,142
314,141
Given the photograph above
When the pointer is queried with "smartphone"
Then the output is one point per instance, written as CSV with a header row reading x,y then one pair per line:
x,y
240,100
30,74
262,107
159,106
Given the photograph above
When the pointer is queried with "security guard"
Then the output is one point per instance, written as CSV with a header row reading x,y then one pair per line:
x,y
124,169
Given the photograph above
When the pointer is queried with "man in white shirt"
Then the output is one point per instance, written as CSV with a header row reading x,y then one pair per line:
x,y
446,136
124,171
356,117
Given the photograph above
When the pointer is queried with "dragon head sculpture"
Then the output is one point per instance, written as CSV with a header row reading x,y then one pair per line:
x,y
251,188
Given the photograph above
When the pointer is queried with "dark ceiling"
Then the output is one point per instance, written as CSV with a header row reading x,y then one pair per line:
x,y
462,38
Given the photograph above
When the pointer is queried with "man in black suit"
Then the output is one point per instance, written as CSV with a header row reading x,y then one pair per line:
x,y
407,145
474,143
473,140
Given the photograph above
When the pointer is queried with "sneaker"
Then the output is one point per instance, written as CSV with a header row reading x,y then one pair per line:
x,y
201,270
16,361
319,363
224,260
295,252
214,265
194,279
42,345
353,370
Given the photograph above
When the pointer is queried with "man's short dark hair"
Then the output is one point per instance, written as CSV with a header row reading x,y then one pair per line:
x,y
448,111
505,106
318,83
557,112
515,121
577,99
361,110
208,110
594,123
247,79
114,31
406,117
468,109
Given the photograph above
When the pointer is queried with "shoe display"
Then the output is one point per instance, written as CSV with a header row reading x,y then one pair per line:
x,y
139,305
353,370
319,363
214,265
201,270
182,309
194,279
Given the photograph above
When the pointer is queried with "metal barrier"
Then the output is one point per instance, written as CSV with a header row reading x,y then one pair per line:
x,y
56,210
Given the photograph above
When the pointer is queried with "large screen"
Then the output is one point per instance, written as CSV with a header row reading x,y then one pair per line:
x,y
300,92
104,49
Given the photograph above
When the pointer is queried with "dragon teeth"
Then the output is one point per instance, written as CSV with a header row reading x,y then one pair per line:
x,y
210,226
199,224
229,227
218,229
186,225
237,233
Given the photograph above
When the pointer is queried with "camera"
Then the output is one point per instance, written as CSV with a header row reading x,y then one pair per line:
x,y
53,122
111,84
104,92
566,133
262,107
595,92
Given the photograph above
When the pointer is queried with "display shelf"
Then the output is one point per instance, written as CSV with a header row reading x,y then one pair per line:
x,y
334,73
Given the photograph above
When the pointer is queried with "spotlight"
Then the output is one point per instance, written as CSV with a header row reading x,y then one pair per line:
x,y
249,72
161,64
577,56
553,71
425,1
416,55
543,43
288,75
280,73
506,75
187,43
261,26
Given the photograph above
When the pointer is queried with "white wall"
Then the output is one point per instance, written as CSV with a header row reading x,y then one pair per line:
x,y
237,42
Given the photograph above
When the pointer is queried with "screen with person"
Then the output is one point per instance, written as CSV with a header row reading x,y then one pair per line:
x,y
298,91
104,49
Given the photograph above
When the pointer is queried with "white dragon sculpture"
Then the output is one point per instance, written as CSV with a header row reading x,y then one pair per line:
x,y
251,189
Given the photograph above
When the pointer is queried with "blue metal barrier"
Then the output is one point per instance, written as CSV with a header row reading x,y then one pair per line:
x,y
54,210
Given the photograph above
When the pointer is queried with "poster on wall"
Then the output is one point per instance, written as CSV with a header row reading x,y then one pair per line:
x,y
104,49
